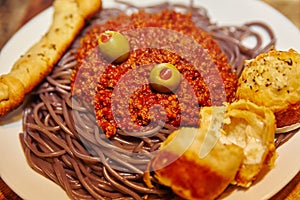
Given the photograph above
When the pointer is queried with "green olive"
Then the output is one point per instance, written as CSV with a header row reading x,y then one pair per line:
x,y
114,46
165,78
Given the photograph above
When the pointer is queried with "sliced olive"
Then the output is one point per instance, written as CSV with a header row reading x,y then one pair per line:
x,y
165,77
114,46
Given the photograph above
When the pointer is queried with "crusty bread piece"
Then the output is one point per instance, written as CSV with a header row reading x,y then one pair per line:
x,y
30,69
180,167
239,151
272,80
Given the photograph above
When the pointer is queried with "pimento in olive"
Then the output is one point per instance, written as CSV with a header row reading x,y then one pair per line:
x,y
114,46
165,78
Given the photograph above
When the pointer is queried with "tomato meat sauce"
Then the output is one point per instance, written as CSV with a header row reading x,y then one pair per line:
x,y
121,95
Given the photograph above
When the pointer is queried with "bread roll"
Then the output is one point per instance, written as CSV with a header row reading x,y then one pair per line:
x,y
238,150
272,80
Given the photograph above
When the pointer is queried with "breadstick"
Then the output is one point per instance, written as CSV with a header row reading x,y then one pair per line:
x,y
30,69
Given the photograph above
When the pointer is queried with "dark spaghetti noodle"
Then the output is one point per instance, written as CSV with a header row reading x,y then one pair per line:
x,y
77,156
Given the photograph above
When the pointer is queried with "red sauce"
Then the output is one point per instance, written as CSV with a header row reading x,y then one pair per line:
x,y
121,95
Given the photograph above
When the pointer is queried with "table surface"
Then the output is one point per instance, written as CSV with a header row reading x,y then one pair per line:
x,y
29,8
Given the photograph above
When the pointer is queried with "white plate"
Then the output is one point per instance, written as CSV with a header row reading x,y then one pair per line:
x,y
30,185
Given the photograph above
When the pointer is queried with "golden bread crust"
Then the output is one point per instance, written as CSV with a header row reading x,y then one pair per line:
x,y
16,92
204,184
272,80
289,115
30,69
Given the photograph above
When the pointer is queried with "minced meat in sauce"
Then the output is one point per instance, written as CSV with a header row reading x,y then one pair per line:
x,y
121,95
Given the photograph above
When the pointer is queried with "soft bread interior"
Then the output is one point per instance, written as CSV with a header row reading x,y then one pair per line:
x,y
252,128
